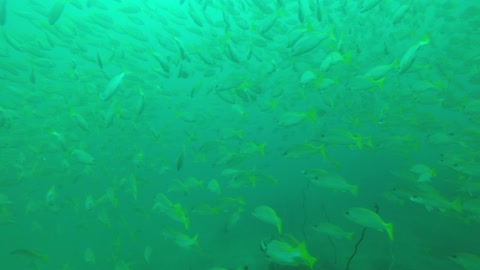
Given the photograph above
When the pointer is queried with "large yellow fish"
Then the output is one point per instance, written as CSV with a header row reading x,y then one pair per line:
x,y
368,218
289,252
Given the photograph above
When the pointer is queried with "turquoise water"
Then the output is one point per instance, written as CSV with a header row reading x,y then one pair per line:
x,y
146,134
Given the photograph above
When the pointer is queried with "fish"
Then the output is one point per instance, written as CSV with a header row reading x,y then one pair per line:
x,y
318,11
185,241
3,12
30,253
468,261
233,219
4,200
51,197
431,198
195,15
112,87
175,211
409,56
333,181
181,239
180,158
368,218
83,157
288,252
80,121
110,114
308,43
424,172
90,203
56,11
400,13
333,230
268,215
301,11
368,5
380,71
305,150
99,61
140,106
293,118
89,256
213,186
147,254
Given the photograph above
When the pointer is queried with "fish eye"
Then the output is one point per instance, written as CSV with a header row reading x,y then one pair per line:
x,y
346,213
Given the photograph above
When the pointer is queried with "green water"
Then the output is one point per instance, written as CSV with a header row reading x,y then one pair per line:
x,y
144,134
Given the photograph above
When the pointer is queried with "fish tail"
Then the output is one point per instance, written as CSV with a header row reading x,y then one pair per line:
x,y
457,205
425,39
309,260
354,190
389,229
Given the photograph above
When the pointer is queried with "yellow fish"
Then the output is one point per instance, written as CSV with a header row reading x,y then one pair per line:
x,y
268,215
368,218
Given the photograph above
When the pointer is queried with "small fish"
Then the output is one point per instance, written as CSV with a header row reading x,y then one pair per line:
x,y
369,4
56,11
368,218
4,200
147,254
289,252
89,256
333,230
307,44
112,86
89,203
180,160
51,196
409,56
30,253
3,12
233,219
140,107
323,178
214,186
424,172
381,71
99,61
80,121
289,119
431,198
110,114
185,241
83,157
469,261
33,78
268,215
400,13
305,150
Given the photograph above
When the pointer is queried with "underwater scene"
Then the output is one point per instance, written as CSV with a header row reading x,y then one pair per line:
x,y
240,134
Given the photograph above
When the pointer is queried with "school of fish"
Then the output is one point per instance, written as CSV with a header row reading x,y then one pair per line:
x,y
239,134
